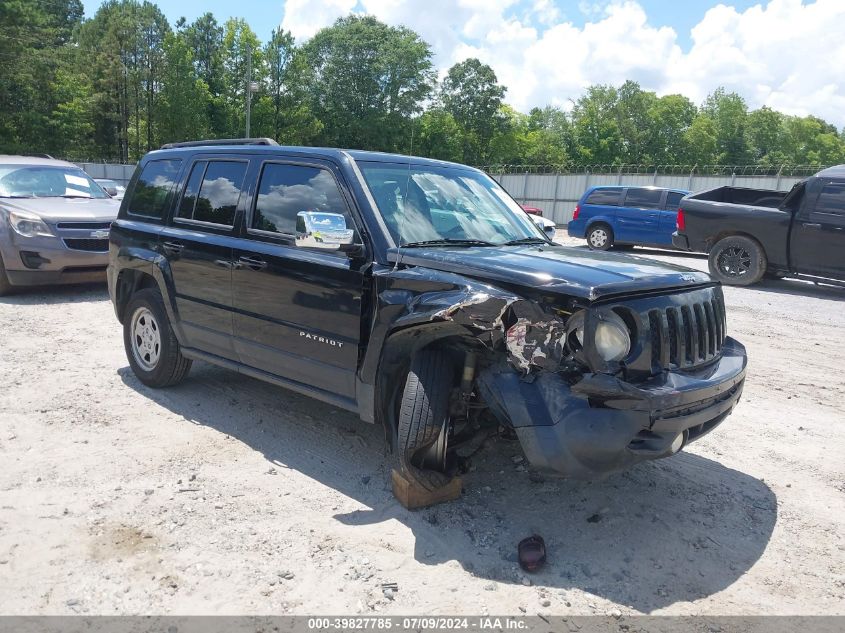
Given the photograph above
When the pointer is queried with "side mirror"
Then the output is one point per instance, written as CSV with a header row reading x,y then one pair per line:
x,y
323,231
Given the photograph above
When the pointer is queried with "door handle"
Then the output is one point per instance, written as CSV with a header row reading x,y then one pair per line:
x,y
811,225
225,263
253,263
172,248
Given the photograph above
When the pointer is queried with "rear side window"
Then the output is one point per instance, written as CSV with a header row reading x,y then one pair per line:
x,y
830,206
643,198
154,187
605,196
212,192
673,200
285,190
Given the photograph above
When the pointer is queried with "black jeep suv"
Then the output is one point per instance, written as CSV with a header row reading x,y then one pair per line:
x,y
418,294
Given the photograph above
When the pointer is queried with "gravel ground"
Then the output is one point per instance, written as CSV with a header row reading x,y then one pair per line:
x,y
225,495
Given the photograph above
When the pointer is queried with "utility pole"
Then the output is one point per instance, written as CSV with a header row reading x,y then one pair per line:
x,y
248,86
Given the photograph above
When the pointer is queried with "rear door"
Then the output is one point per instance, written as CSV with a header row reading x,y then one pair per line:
x,y
298,309
817,241
638,217
601,205
669,217
198,246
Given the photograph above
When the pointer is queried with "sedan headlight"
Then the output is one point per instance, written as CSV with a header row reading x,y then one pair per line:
x,y
613,342
28,224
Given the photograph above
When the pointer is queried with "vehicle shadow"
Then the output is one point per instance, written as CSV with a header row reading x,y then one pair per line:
x,y
676,530
51,295
800,288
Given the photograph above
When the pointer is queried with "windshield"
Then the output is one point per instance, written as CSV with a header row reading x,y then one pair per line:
x,y
439,204
41,181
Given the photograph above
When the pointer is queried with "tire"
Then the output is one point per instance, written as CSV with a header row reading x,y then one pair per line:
x,y
151,347
737,261
5,286
600,237
424,419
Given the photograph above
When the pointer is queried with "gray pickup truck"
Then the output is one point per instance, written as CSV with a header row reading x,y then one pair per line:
x,y
54,223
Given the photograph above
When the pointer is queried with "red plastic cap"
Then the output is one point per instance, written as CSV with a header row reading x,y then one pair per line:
x,y
681,223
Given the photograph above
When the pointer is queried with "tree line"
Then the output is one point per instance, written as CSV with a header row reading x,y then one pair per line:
x,y
126,81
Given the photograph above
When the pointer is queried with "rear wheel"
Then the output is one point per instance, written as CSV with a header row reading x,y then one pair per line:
x,y
424,424
737,260
151,346
600,237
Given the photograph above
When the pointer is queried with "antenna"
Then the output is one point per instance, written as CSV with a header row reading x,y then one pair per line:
x,y
404,198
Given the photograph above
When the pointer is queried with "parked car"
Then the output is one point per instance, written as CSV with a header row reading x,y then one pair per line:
x,y
115,190
751,232
546,226
54,223
430,305
612,216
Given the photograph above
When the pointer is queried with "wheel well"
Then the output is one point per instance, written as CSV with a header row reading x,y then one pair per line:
x,y
128,283
396,360
596,223
720,236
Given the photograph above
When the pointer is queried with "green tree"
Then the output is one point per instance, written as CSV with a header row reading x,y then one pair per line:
x,y
633,115
184,98
240,43
439,136
366,82
471,93
671,117
766,135
596,127
283,112
729,114
37,56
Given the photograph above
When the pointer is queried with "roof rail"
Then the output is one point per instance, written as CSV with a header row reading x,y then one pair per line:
x,y
221,141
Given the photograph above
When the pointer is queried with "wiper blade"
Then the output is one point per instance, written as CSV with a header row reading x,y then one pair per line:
x,y
18,197
448,242
73,196
526,240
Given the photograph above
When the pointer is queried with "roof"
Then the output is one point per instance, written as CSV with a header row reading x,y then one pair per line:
x,y
11,159
638,187
316,152
837,171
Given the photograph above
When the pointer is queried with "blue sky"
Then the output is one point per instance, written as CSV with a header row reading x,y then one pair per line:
x,y
786,54
264,15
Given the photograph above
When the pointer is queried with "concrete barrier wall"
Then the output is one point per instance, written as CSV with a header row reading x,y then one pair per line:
x,y
556,194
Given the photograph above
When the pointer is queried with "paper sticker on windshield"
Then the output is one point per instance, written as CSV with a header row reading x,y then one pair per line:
x,y
76,180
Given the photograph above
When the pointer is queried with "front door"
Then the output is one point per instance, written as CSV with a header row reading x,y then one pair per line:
x,y
817,244
198,247
638,217
297,309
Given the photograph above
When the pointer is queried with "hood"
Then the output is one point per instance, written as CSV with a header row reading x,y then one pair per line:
x,y
560,269
53,210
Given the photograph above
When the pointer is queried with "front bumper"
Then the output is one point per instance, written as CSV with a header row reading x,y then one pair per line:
x,y
41,261
603,425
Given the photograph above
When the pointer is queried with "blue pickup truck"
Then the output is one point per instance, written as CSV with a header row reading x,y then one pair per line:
x,y
644,216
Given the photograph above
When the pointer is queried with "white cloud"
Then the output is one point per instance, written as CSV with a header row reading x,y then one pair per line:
x,y
783,53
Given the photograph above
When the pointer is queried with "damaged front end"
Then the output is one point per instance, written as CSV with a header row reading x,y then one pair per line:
x,y
594,391
590,388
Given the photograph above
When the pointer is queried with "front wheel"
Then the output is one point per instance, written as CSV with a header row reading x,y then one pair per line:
x,y
151,346
423,429
737,261
600,237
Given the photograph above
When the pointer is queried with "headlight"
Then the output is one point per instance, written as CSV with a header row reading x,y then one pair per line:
x,y
612,339
28,224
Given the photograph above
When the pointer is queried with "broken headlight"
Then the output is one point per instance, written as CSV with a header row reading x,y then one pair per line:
x,y
611,338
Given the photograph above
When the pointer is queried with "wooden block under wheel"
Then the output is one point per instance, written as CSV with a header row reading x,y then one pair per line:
x,y
413,496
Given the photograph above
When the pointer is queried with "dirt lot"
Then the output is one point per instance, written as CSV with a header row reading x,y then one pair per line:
x,y
227,495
